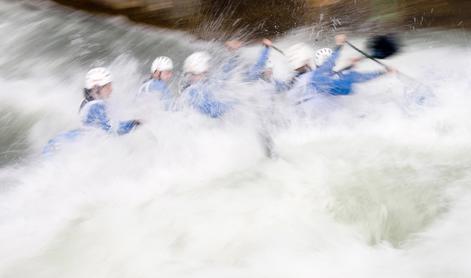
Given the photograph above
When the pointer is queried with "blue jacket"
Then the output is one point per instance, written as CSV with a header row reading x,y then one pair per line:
x,y
202,99
95,116
325,80
158,88
54,144
256,72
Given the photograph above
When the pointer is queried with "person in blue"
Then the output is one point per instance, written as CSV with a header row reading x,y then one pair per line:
x,y
93,111
325,80
162,72
263,69
300,58
197,89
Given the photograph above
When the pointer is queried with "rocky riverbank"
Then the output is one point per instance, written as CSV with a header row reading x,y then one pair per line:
x,y
268,18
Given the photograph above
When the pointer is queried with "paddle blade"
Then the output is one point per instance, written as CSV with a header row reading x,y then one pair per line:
x,y
381,47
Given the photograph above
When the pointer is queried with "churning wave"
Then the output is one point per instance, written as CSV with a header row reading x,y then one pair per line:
x,y
367,185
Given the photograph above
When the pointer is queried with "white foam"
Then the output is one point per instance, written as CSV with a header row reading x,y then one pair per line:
x,y
371,186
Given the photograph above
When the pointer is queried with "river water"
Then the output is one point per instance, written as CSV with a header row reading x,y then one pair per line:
x,y
369,185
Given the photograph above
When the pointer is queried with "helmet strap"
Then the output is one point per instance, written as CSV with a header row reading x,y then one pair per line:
x,y
87,94
156,75
96,92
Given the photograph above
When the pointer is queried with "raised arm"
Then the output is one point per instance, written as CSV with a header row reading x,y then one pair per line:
x,y
359,77
256,71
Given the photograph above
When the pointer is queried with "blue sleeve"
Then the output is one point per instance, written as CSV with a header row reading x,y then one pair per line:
x,y
214,109
97,117
256,70
206,105
358,77
344,85
126,127
54,144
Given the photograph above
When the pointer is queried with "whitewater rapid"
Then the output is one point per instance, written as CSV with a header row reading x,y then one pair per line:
x,y
369,185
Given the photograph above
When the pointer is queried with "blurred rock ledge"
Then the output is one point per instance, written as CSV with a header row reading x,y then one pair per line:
x,y
165,13
256,18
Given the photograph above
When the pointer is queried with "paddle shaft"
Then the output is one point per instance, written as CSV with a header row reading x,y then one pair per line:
x,y
366,55
404,76
277,49
351,66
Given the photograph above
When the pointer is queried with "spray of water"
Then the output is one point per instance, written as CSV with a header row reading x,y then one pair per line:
x,y
366,185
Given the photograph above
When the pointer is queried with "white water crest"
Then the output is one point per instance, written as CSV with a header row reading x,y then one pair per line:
x,y
366,185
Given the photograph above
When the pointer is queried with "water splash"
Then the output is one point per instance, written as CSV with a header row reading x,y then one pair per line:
x,y
364,184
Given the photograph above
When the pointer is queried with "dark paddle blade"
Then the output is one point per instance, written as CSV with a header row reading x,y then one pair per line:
x,y
384,46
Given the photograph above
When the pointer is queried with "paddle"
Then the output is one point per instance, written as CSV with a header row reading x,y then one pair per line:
x,y
382,47
277,49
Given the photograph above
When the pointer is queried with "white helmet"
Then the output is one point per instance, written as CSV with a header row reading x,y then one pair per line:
x,y
322,55
300,55
97,77
162,63
197,63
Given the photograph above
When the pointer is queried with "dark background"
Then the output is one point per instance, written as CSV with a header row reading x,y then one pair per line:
x,y
255,18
